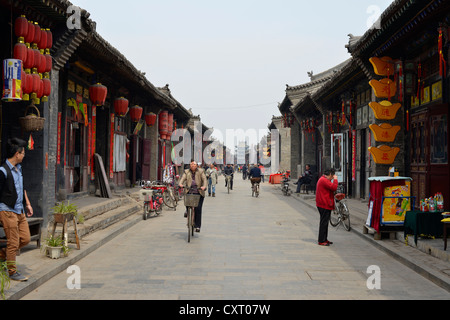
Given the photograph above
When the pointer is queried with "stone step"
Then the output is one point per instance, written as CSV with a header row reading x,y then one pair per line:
x,y
101,216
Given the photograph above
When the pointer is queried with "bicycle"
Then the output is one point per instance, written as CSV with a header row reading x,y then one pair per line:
x,y
228,179
152,203
340,214
255,186
191,202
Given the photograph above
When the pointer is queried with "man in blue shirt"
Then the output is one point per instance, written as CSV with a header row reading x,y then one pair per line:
x,y
255,175
14,203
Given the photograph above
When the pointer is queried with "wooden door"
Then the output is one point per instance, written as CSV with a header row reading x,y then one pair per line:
x,y
146,159
419,155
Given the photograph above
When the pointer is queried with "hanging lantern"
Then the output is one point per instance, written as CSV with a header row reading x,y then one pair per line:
x,y
27,87
35,80
20,51
42,67
48,65
29,62
47,89
37,56
21,27
43,42
97,94
136,113
121,106
12,80
163,124
30,35
37,34
169,125
150,119
40,92
49,40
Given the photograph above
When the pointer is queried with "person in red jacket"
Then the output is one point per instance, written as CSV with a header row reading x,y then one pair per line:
x,y
326,187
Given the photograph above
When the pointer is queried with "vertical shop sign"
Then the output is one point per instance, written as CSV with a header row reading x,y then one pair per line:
x,y
353,155
58,146
93,137
111,148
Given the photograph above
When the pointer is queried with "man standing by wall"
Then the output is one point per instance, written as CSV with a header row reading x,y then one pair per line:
x,y
14,203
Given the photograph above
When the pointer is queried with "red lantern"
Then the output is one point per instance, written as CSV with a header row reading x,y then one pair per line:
x,y
49,39
121,106
42,64
150,119
37,56
47,89
36,82
28,87
30,35
136,113
37,33
43,41
21,27
163,124
97,94
170,125
20,51
48,64
29,63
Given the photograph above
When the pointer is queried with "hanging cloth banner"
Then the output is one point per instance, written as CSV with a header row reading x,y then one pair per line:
x,y
442,62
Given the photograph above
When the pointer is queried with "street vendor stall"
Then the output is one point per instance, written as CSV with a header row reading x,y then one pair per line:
x,y
390,199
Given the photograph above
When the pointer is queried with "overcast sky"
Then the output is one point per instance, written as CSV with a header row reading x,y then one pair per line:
x,y
230,60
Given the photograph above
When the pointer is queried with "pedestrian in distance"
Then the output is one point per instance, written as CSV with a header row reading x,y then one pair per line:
x,y
213,177
194,179
326,187
14,204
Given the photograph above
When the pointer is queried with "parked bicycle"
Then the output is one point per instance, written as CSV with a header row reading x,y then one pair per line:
x,y
152,203
340,214
168,192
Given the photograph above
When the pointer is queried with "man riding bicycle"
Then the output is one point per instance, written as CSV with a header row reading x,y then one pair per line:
x,y
228,171
255,175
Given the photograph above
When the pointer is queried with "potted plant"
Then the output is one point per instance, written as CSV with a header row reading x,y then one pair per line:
x,y
64,212
53,247
5,281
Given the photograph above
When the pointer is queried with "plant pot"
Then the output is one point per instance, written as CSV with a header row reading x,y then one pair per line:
x,y
54,252
62,217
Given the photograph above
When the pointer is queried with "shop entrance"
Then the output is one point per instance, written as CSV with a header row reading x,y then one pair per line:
x,y
76,170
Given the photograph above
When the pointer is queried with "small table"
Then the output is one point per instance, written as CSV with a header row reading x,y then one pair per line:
x,y
420,222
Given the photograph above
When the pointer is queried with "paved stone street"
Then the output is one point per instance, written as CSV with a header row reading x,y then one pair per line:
x,y
248,248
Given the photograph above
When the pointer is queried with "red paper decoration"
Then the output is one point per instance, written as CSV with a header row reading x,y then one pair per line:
x,y
97,94
121,106
136,113
163,124
47,89
21,27
150,119
20,51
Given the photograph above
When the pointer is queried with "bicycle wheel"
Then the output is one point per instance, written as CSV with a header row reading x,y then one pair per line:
x,y
257,190
168,199
228,185
146,210
335,219
189,223
345,216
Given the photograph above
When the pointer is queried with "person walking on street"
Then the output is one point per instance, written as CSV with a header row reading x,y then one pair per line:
x,y
14,203
244,171
213,177
194,179
326,187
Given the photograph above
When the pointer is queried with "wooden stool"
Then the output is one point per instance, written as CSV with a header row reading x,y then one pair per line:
x,y
63,219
